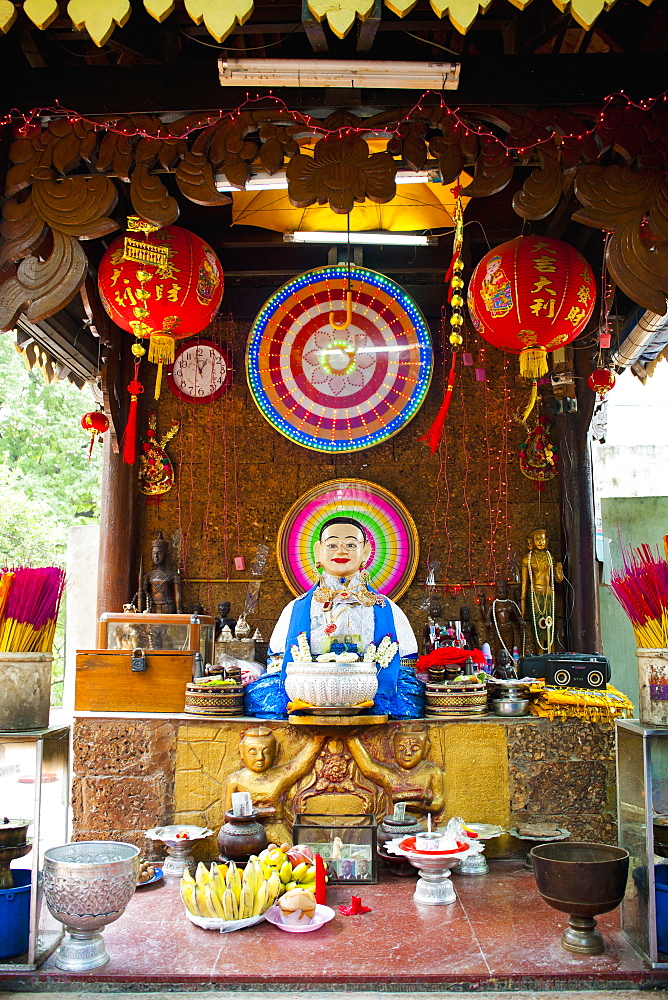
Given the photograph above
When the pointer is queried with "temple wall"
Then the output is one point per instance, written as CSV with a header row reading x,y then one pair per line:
x,y
237,477
131,774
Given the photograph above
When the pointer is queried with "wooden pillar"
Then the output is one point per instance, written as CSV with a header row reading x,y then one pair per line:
x,y
576,494
117,580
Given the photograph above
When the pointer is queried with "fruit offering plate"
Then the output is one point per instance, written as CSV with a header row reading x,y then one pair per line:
x,y
224,926
156,878
323,914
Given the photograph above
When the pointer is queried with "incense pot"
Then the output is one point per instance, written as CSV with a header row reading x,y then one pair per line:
x,y
241,836
87,885
582,880
179,840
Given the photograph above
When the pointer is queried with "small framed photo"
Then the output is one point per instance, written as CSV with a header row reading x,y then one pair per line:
x,y
347,843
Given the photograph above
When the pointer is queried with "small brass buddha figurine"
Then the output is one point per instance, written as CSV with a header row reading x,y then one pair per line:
x,y
539,573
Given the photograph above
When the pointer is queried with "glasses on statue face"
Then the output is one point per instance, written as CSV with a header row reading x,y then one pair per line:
x,y
332,546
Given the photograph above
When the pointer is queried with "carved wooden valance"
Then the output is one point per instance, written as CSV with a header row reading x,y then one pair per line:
x,y
62,185
99,18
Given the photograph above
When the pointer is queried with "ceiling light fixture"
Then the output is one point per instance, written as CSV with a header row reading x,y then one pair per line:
x,y
363,239
338,73
260,180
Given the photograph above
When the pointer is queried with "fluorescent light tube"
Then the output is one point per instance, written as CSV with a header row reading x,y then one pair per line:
x,y
370,239
262,181
338,73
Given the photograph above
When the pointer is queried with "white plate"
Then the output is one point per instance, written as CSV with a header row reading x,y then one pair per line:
x,y
322,915
224,926
485,831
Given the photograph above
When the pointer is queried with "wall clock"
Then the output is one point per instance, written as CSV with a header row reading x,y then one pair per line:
x,y
202,371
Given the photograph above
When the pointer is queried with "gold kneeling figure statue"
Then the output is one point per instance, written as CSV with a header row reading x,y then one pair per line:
x,y
268,784
411,779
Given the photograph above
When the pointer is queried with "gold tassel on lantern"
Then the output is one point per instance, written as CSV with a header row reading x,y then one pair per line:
x,y
532,402
161,351
533,362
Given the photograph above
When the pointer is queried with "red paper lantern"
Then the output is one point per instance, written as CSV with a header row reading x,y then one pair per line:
x,y
96,422
601,381
529,296
163,285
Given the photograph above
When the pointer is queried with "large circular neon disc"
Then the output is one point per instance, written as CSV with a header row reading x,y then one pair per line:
x,y
390,529
339,390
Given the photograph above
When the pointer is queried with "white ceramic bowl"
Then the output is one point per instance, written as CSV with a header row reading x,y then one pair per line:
x,y
328,684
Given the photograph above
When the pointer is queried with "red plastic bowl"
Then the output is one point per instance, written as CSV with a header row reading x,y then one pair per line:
x,y
408,844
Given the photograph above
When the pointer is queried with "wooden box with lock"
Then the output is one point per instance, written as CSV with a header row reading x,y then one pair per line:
x,y
143,664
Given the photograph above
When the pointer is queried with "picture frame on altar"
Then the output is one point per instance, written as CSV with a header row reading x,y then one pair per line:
x,y
346,843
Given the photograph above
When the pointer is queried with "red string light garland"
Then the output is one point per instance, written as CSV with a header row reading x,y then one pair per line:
x,y
31,119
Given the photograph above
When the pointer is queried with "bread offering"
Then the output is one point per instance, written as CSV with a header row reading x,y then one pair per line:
x,y
297,906
146,872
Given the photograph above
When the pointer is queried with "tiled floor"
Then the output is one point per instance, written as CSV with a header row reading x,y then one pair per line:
x,y
499,935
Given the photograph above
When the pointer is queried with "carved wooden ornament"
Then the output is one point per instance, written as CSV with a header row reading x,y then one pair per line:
x,y
62,181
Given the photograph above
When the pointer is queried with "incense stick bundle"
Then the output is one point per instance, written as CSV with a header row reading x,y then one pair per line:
x,y
29,602
642,591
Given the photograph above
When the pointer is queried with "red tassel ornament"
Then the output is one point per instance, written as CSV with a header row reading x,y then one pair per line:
x,y
135,388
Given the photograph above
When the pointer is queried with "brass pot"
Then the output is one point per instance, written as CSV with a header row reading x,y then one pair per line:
x,y
13,832
582,880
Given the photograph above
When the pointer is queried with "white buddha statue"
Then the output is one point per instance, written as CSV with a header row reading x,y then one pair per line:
x,y
342,610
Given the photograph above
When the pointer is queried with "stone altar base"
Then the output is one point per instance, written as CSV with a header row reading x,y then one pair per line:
x,y
133,773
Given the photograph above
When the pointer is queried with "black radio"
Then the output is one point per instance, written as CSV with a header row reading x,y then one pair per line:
x,y
579,670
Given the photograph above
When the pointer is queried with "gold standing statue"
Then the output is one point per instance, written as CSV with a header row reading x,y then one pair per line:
x,y
539,573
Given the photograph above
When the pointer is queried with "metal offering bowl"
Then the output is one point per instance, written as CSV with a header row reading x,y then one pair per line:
x,y
7,855
87,885
167,834
476,864
434,885
582,880
179,849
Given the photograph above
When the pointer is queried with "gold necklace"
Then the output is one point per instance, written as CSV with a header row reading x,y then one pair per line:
x,y
326,595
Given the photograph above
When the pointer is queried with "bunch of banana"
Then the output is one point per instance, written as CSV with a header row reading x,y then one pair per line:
x,y
225,892
274,860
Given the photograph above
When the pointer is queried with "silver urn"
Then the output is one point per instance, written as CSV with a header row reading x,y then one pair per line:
x,y
87,885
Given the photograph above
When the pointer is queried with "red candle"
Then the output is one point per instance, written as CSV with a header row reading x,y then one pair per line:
x,y
357,903
320,884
